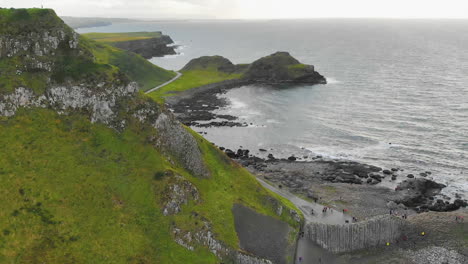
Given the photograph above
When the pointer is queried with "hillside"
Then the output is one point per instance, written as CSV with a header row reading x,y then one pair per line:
x,y
93,171
59,53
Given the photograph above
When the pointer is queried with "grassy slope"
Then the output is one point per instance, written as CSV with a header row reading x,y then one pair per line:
x,y
110,38
76,192
133,65
192,79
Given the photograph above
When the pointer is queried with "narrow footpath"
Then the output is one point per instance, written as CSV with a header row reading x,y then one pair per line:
x,y
308,251
164,84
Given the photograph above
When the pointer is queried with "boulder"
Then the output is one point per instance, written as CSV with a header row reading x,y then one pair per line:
x,y
416,192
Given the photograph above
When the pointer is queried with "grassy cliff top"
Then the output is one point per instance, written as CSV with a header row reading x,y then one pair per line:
x,y
14,21
109,38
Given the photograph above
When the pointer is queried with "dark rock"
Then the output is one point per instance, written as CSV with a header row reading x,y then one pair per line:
x,y
415,192
292,158
387,172
394,169
262,150
410,176
376,176
423,174
230,154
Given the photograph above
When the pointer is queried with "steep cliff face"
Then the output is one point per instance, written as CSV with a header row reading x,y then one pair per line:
x,y
95,171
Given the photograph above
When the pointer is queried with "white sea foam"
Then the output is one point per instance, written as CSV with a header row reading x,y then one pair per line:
x,y
237,104
331,80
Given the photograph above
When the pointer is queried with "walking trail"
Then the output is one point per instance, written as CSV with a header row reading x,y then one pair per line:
x,y
164,84
310,252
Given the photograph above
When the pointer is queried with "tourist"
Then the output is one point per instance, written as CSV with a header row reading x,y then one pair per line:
x,y
300,259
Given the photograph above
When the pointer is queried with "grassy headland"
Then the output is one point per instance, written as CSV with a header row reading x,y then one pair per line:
x,y
279,67
200,72
109,38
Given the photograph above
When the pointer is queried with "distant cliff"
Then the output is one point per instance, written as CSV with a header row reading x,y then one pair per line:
x,y
146,44
149,48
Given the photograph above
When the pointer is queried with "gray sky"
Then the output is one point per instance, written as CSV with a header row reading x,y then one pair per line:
x,y
252,9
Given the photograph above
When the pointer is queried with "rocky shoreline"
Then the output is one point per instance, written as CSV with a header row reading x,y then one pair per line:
x,y
418,194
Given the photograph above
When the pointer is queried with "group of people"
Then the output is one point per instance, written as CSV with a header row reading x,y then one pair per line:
x,y
395,213
326,209
459,219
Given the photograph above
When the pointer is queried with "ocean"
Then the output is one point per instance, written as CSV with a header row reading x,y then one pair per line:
x,y
397,92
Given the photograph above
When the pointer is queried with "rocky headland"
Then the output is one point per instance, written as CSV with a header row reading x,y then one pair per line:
x,y
149,48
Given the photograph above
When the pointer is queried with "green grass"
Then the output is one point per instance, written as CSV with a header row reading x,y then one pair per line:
x,y
110,38
133,65
76,192
16,21
192,79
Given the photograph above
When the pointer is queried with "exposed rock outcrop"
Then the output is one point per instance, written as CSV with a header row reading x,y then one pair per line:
x,y
179,193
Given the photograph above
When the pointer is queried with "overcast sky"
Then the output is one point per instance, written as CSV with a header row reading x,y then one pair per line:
x,y
251,9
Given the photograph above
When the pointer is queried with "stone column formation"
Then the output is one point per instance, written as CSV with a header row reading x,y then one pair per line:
x,y
349,237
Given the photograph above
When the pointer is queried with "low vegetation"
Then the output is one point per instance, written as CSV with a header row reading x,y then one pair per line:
x,y
192,79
